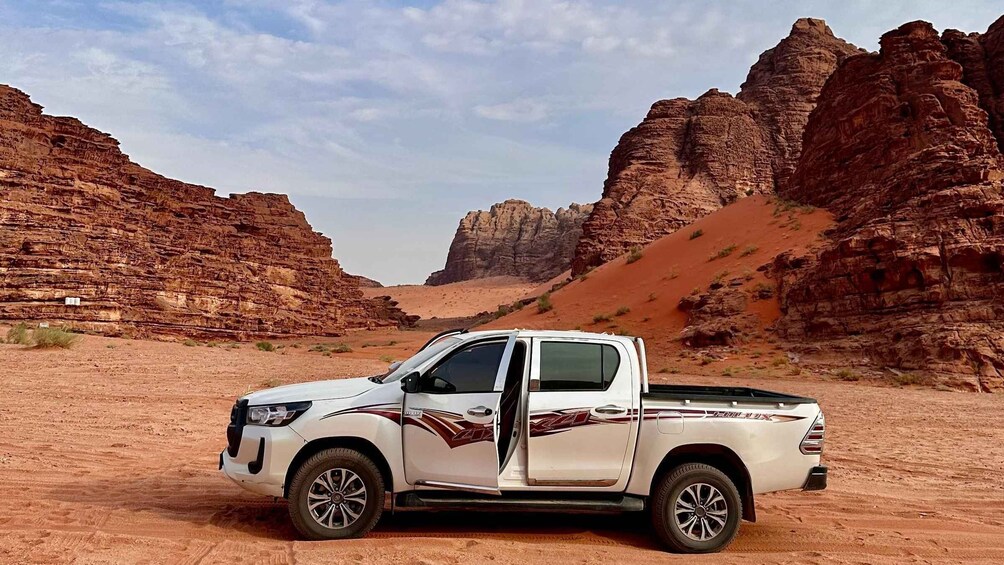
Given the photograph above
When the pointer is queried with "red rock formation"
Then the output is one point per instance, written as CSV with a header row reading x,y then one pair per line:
x,y
513,239
147,254
900,150
982,60
689,158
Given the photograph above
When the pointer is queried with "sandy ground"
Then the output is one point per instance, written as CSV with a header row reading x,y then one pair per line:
x,y
108,454
456,300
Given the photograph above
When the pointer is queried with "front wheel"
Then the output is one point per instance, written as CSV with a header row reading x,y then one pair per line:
x,y
696,509
336,494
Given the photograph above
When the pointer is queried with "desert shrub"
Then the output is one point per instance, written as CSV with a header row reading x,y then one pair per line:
x,y
674,272
49,338
189,343
271,383
386,358
763,291
265,346
645,319
622,310
597,318
652,296
212,344
634,254
696,234
779,361
544,303
848,375
341,348
664,370
727,372
748,250
747,275
19,334
723,252
907,379
502,310
320,348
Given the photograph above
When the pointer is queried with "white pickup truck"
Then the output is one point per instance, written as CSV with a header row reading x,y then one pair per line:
x,y
560,421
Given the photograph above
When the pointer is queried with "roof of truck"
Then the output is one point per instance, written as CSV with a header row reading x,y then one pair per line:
x,y
547,333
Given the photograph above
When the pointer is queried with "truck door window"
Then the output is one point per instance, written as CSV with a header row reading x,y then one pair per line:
x,y
472,369
577,366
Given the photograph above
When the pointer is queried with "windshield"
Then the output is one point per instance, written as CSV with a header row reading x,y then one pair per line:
x,y
419,358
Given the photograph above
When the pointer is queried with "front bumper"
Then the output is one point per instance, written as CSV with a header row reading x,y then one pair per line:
x,y
816,479
262,457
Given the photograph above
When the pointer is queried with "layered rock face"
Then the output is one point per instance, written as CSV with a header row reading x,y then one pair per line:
x,y
901,151
513,239
690,157
146,254
982,60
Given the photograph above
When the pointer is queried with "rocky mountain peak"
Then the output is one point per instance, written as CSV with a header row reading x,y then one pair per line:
x,y
513,239
688,158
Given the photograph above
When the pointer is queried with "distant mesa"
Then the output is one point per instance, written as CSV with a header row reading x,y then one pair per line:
x,y
513,239
688,158
149,255
365,282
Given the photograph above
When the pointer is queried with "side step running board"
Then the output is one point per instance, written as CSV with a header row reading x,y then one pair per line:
x,y
425,501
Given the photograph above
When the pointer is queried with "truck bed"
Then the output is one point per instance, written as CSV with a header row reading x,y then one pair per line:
x,y
722,394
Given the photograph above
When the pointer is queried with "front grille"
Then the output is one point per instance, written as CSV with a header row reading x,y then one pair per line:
x,y
238,417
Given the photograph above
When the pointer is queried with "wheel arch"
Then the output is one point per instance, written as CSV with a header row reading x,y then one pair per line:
x,y
364,446
717,456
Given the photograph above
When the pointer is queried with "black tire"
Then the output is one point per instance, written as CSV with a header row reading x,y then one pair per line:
x,y
664,506
311,470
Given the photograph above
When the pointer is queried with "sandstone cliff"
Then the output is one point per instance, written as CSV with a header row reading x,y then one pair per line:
x,y
901,149
690,157
513,239
147,254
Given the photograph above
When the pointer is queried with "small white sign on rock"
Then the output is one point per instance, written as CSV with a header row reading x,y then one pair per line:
x,y
72,301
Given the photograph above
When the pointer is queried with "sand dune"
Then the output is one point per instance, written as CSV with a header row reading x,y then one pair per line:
x,y
674,266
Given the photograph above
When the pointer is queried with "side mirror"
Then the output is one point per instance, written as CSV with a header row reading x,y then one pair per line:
x,y
409,384
393,366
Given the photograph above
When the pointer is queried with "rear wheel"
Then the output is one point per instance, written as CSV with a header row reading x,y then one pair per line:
x,y
696,509
336,494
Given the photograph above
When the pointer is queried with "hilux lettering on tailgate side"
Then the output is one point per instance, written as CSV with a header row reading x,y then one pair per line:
x,y
695,414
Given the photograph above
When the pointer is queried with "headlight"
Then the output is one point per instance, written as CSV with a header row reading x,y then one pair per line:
x,y
276,414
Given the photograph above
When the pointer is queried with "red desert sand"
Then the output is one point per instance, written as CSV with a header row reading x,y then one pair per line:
x,y
456,300
108,454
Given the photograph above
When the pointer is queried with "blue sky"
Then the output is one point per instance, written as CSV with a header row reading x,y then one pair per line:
x,y
386,121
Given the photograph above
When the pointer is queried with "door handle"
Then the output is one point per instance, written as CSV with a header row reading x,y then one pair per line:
x,y
610,409
480,411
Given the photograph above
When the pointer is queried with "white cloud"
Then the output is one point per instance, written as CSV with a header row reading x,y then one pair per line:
x,y
514,111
